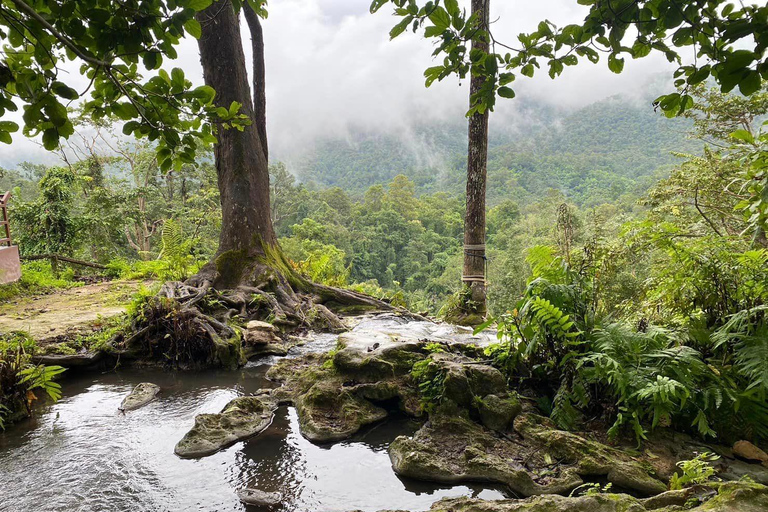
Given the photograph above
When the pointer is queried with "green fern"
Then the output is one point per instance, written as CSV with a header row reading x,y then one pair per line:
x,y
746,335
176,252
555,320
42,377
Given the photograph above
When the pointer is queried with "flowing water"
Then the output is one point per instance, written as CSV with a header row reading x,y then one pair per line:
x,y
82,454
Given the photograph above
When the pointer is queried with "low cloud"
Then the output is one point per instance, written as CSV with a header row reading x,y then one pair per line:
x,y
331,70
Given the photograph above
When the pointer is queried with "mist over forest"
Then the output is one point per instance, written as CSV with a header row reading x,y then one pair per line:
x,y
396,255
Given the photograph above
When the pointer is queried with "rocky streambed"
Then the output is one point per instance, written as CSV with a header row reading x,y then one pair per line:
x,y
340,424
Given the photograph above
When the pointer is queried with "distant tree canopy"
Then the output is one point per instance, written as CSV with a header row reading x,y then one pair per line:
x,y
728,40
114,42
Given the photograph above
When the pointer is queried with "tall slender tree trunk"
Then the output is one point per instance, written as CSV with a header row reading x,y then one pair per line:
x,y
247,236
259,76
474,220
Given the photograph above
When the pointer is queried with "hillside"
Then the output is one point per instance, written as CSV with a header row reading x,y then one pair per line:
x,y
593,154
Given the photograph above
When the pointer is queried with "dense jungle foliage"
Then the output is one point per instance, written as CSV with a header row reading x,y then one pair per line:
x,y
629,284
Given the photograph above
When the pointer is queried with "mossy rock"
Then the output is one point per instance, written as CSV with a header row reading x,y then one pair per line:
x,y
452,449
373,356
465,380
141,395
549,503
591,458
328,412
726,497
242,418
498,413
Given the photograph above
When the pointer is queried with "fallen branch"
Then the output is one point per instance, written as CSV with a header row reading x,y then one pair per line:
x,y
64,259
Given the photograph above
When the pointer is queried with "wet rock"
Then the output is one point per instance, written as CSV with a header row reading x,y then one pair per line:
x,y
260,333
590,457
140,396
243,417
258,498
678,498
330,408
497,413
328,413
714,497
747,451
737,469
261,339
373,356
452,449
465,379
549,503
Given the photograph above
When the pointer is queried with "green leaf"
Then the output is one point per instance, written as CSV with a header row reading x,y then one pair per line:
x,y
742,135
152,59
63,90
615,63
750,84
50,139
400,27
199,5
193,28
8,126
56,112
204,93
440,17
5,137
506,92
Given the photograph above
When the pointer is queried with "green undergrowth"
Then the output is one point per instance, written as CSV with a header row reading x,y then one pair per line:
x,y
37,277
20,378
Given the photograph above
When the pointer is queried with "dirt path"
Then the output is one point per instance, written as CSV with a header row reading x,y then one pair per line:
x,y
48,316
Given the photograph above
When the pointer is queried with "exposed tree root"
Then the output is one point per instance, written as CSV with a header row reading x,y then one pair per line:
x,y
194,324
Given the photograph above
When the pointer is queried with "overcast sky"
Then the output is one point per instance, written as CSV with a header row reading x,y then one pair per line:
x,y
331,68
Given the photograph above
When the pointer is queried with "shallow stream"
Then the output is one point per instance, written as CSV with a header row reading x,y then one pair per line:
x,y
82,454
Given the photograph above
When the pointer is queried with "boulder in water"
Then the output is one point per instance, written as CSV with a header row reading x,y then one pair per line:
x,y
258,498
140,396
243,417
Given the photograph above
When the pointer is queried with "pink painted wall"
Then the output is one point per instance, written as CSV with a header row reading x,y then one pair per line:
x,y
10,266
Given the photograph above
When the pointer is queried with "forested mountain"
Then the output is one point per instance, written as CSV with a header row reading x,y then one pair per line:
x,y
593,154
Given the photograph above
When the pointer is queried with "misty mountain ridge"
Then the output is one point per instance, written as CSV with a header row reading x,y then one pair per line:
x,y
592,154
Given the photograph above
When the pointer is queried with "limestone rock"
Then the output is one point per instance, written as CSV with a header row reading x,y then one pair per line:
x,y
497,413
451,449
243,417
590,457
327,412
549,503
465,380
258,498
714,497
372,356
260,333
140,396
747,451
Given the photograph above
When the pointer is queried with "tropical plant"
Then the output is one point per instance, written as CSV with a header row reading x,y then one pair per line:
x,y
698,470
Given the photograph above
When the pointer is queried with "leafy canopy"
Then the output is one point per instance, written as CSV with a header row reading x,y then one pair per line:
x,y
729,40
114,42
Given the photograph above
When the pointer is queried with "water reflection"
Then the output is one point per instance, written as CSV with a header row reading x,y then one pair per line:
x,y
82,454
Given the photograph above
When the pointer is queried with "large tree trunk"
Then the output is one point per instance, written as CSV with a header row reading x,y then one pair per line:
x,y
247,238
248,278
474,220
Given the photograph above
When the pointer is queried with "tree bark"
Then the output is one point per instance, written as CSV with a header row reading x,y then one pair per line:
x,y
259,77
247,236
477,158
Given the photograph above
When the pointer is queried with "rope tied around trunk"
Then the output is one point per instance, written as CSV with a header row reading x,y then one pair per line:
x,y
476,251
